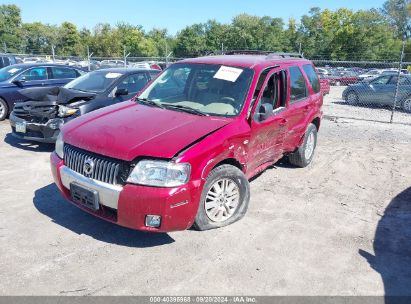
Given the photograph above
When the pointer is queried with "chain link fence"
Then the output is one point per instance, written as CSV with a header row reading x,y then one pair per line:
x,y
364,90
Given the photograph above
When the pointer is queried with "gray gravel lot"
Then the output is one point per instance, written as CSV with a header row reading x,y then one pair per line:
x,y
338,227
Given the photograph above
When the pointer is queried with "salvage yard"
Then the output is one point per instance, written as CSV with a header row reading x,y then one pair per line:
x,y
311,231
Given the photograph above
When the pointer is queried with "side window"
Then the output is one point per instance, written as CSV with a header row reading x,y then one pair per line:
x,y
298,87
63,73
6,61
34,74
380,80
133,83
274,93
403,80
312,77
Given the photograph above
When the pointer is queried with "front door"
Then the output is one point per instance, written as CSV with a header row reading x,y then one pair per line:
x,y
268,123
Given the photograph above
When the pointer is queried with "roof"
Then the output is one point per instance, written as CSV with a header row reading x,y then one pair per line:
x,y
30,65
245,61
125,70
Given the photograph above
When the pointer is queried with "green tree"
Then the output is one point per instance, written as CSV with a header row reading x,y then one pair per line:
x,y
191,41
69,40
398,13
10,25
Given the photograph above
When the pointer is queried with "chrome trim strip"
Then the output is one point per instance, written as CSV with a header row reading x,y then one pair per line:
x,y
108,194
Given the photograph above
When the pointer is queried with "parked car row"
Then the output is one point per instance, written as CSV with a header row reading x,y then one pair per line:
x,y
346,76
181,152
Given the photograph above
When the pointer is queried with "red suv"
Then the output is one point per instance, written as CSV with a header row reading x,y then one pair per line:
x,y
181,154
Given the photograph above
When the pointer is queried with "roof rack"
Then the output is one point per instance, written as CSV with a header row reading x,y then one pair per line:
x,y
269,54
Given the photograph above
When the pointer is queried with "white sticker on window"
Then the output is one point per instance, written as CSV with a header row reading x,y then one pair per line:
x,y
112,75
13,70
228,73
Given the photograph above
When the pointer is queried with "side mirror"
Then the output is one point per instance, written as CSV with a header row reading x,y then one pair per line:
x,y
265,111
19,83
121,92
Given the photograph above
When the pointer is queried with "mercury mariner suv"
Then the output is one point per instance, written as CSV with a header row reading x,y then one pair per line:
x,y
181,153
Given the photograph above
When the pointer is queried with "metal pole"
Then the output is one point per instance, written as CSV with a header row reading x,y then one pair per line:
x,y
398,80
300,49
125,57
89,58
5,47
52,50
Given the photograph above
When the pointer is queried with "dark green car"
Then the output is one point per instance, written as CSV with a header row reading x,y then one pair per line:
x,y
381,91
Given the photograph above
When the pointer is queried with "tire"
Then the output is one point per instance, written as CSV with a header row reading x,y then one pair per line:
x,y
235,182
4,109
352,98
300,158
406,104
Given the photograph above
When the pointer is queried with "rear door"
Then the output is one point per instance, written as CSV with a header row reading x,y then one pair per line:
x,y
59,76
299,105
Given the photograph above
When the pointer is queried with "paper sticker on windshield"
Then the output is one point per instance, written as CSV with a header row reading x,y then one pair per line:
x,y
113,75
13,70
228,73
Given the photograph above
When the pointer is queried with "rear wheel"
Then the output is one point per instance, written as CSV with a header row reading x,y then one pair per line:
x,y
4,109
305,153
224,199
406,105
352,98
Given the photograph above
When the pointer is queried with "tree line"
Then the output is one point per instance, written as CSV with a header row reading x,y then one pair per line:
x,y
341,34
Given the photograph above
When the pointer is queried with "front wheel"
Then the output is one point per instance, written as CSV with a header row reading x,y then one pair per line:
x,y
352,98
224,199
303,156
4,109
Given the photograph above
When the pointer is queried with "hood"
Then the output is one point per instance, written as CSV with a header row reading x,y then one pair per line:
x,y
59,94
128,130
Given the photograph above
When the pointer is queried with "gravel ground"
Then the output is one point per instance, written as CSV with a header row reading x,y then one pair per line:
x,y
338,227
334,105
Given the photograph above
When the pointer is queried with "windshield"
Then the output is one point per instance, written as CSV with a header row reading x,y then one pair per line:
x,y
207,88
8,72
96,82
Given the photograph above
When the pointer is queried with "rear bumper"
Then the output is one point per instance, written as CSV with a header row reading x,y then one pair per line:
x,y
128,205
46,133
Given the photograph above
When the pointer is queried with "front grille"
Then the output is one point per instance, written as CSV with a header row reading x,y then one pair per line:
x,y
36,111
106,169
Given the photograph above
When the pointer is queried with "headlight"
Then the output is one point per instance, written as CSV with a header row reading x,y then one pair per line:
x,y
160,173
66,111
60,146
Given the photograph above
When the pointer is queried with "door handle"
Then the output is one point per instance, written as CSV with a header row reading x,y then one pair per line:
x,y
306,109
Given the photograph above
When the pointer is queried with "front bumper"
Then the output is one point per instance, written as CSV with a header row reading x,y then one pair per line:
x,y
128,205
46,133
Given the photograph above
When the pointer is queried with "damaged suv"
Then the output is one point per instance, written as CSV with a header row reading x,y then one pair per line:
x,y
181,154
48,109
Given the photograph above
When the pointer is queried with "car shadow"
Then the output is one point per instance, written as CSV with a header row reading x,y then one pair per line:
x,y
49,202
27,145
282,163
392,248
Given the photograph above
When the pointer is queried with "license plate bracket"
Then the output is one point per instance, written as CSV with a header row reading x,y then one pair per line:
x,y
84,196
21,127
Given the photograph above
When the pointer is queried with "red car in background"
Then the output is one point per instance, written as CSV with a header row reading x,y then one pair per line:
x,y
325,85
182,152
343,78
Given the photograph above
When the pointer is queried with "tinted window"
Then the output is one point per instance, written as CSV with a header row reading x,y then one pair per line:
x,y
298,88
63,73
403,80
133,83
312,77
34,74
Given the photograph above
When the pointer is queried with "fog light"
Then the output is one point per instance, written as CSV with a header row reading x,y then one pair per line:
x,y
153,221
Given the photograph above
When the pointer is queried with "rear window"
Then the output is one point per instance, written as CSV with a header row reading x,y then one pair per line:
x,y
312,77
63,73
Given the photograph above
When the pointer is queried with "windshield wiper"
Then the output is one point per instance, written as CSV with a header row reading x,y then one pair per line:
x,y
186,109
150,102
